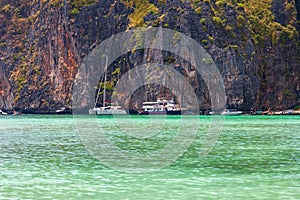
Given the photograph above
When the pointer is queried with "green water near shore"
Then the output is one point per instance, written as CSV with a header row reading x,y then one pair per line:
x,y
255,157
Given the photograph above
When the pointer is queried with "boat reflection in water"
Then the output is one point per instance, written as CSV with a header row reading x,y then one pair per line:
x,y
160,107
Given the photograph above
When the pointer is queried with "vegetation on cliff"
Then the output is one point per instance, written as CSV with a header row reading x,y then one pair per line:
x,y
40,50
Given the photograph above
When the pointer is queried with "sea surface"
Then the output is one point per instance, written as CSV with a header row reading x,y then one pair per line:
x,y
48,157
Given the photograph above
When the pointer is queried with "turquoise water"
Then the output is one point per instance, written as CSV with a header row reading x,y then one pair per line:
x,y
255,157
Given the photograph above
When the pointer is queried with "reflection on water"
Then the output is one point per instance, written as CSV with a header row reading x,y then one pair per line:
x,y
256,157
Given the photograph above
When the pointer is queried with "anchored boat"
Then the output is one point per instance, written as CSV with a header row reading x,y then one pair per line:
x,y
231,112
2,112
107,108
160,107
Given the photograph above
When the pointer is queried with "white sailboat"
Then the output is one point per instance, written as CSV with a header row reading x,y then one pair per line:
x,y
107,108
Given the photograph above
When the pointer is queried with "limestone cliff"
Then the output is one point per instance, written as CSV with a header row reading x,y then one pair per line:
x,y
255,44
39,55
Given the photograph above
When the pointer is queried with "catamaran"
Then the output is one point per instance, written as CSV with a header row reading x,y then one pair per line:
x,y
107,108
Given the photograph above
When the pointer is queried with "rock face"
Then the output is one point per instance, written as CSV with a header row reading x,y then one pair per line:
x,y
39,56
42,48
5,89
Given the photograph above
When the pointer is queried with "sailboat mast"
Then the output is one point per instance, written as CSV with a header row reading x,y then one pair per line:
x,y
105,78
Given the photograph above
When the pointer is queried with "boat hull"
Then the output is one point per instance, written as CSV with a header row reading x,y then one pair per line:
x,y
2,112
232,113
171,112
107,112
111,112
64,111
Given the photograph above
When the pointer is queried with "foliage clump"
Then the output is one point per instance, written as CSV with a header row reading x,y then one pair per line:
x,y
76,5
6,8
261,20
141,9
